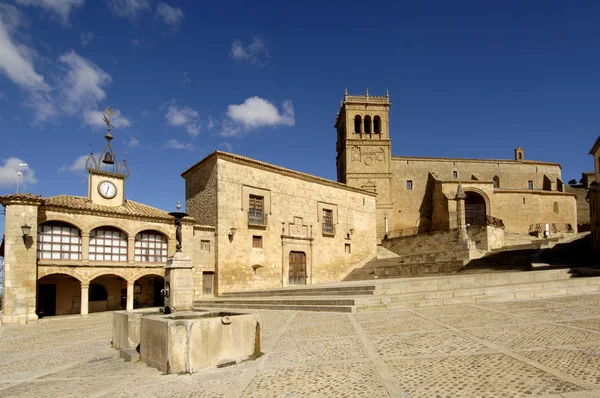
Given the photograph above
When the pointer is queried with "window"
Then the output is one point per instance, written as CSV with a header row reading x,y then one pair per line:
x,y
455,174
58,241
205,245
256,213
328,222
555,207
530,184
377,125
523,200
347,248
496,181
367,124
150,247
108,244
257,242
357,124
409,185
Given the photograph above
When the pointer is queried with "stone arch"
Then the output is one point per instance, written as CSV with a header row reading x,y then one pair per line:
x,y
106,223
377,124
146,272
43,271
166,231
357,124
476,207
61,218
555,207
367,125
488,209
496,182
122,273
423,224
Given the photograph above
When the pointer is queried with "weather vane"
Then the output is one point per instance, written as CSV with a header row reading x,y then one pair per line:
x,y
107,116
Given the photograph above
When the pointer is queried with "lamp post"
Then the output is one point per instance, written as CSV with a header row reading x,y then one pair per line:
x,y
178,215
19,174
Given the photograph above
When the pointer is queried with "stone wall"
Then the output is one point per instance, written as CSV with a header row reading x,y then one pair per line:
x,y
293,206
201,193
583,207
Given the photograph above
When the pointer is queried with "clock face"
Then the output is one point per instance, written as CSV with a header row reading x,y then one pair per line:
x,y
107,189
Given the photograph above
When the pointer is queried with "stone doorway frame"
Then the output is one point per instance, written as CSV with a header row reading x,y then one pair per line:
x,y
295,244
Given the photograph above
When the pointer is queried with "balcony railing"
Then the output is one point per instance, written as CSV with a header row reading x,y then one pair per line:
x,y
257,218
328,229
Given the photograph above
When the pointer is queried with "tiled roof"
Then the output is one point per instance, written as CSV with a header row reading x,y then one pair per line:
x,y
20,197
128,209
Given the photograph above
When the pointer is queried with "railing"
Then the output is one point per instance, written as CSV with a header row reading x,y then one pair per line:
x,y
485,220
257,218
540,228
328,229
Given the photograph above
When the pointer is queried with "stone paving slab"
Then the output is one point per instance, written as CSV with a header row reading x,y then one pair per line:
x,y
541,348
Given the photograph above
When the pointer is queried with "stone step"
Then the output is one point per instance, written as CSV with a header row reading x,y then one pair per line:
x,y
320,308
307,290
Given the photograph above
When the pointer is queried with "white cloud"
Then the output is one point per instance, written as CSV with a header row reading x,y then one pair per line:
x,y
174,144
96,119
133,142
171,16
8,174
128,8
135,42
78,164
82,86
86,38
256,53
61,7
211,123
255,113
186,117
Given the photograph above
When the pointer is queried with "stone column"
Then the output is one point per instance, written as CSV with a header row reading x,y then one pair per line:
x,y
85,246
179,283
460,212
130,295
131,249
85,292
20,262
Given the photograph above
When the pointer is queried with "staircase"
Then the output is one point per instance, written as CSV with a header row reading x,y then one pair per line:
x,y
411,292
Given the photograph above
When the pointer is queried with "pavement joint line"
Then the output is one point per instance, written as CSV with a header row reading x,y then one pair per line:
x,y
259,364
503,350
316,363
383,371
558,323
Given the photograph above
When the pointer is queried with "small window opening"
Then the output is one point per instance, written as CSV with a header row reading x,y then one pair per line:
x,y
496,182
530,184
257,242
347,248
523,200
409,185
205,245
555,207
455,174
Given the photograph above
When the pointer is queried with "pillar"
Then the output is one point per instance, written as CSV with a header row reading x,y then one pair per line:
x,y
131,249
129,296
85,246
20,262
460,212
85,295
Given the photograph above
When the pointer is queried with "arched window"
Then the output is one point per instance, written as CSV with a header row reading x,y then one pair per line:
x,y
496,182
377,125
108,244
555,207
368,124
357,124
150,246
58,241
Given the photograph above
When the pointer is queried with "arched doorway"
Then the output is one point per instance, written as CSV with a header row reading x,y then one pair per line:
x,y
107,293
147,291
475,210
58,294
297,273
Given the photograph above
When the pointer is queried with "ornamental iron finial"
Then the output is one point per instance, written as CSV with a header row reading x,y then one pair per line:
x,y
107,156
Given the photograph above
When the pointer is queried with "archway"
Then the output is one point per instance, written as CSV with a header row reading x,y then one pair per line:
x,y
297,272
475,209
147,291
107,292
58,294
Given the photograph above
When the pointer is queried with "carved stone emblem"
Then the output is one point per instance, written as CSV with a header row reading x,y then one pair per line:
x,y
380,155
355,154
368,160
297,228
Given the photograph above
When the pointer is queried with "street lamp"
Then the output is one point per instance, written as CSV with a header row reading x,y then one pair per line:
x,y
19,174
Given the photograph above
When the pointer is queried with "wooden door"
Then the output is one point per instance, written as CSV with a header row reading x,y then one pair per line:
x,y
297,273
207,282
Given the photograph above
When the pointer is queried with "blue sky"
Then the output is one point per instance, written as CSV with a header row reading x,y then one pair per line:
x,y
265,79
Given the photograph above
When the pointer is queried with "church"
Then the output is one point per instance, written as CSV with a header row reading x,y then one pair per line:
x,y
254,225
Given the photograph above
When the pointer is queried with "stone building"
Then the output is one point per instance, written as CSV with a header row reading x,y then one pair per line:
x,y
417,193
74,255
593,197
583,207
277,227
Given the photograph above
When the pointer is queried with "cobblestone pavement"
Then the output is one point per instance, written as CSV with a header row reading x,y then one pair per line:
x,y
515,349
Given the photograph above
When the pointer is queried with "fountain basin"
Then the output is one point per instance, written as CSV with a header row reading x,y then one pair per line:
x,y
126,327
187,342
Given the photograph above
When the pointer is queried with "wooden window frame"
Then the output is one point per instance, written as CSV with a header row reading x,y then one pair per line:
x,y
205,245
106,249
146,241
54,235
257,242
327,223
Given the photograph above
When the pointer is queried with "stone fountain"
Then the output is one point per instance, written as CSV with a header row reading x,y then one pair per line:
x,y
177,338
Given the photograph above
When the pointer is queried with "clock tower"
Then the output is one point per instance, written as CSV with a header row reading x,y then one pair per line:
x,y
106,178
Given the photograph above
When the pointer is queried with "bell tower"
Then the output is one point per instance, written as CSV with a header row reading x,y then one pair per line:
x,y
106,178
364,148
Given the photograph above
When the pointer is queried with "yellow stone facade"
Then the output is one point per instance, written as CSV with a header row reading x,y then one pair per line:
x,y
593,197
221,191
418,192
